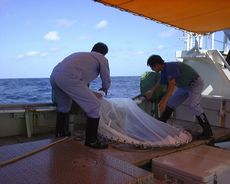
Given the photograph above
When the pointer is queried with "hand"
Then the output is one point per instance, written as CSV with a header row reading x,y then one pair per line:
x,y
98,95
104,90
148,94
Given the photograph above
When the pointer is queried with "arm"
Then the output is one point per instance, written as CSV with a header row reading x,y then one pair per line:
x,y
149,94
169,92
105,76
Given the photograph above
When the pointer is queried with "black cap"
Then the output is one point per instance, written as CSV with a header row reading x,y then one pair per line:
x,y
101,48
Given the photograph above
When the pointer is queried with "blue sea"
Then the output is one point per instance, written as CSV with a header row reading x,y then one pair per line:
x,y
38,90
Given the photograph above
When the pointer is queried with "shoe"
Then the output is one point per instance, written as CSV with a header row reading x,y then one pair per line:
x,y
204,137
91,139
97,144
62,125
207,130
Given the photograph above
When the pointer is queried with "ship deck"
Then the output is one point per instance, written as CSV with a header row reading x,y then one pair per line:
x,y
67,160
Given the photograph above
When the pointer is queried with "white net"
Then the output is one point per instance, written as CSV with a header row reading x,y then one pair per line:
x,y
122,121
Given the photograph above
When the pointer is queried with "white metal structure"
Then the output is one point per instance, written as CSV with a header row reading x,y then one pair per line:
x,y
215,72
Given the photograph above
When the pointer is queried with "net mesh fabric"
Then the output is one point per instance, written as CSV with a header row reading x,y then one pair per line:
x,y
122,121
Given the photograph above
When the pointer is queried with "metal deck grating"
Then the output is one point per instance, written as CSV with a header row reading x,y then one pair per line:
x,y
67,162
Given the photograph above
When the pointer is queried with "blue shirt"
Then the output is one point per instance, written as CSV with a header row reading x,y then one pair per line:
x,y
183,74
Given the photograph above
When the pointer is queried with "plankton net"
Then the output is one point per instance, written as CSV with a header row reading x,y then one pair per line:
x,y
123,121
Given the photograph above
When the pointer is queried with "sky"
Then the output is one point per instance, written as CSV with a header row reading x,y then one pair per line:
x,y
36,35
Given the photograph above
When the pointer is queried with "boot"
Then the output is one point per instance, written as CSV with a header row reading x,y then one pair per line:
x,y
166,114
66,131
58,124
91,134
62,124
207,131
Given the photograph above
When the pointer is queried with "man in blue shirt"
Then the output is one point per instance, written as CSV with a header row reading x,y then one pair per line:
x,y
69,81
189,85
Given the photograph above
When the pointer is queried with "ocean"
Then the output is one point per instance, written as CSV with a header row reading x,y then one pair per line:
x,y
38,90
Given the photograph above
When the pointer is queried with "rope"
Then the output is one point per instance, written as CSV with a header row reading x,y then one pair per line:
x,y
7,162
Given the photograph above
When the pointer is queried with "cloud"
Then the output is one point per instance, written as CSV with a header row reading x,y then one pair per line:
x,y
32,54
138,53
160,47
54,49
52,36
65,22
20,56
83,37
168,33
43,54
102,24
